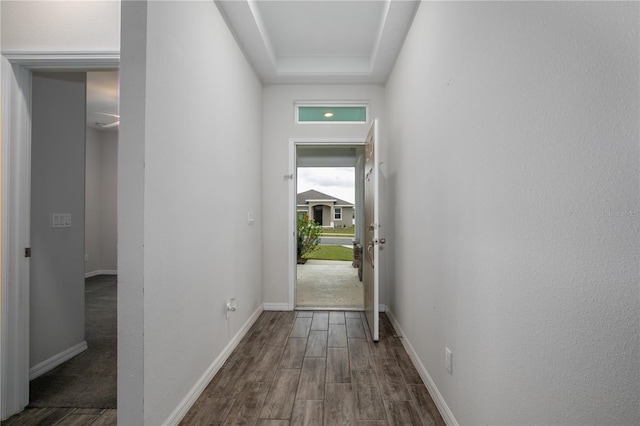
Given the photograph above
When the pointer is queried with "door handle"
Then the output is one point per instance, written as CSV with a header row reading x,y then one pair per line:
x,y
383,240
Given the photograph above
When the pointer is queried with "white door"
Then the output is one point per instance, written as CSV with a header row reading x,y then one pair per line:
x,y
371,248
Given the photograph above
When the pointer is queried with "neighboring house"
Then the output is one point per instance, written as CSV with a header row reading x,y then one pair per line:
x,y
328,211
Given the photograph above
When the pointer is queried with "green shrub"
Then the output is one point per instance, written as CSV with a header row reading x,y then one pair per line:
x,y
308,235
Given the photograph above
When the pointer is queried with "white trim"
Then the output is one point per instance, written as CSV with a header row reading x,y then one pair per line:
x,y
335,213
443,408
381,27
320,200
276,307
192,396
101,272
293,224
64,59
51,363
16,194
16,176
335,205
264,34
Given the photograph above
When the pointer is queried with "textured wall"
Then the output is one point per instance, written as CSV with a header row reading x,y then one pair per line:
x,y
279,128
190,158
109,201
60,25
101,234
92,191
56,293
513,133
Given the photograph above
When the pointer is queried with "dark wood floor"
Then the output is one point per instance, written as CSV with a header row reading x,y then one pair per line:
x,y
297,368
63,417
316,368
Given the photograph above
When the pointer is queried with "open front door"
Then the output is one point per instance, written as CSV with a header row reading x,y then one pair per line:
x,y
371,248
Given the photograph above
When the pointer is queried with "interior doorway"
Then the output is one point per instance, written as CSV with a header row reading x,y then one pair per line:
x,y
329,192
73,267
21,360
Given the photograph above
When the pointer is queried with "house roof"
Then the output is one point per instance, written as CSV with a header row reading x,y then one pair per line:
x,y
314,195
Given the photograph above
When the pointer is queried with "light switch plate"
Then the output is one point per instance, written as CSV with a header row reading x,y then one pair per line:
x,y
61,220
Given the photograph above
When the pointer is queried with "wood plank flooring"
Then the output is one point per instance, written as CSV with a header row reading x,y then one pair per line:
x,y
316,368
63,417
297,368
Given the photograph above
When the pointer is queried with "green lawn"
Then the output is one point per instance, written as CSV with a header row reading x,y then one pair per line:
x,y
338,231
331,253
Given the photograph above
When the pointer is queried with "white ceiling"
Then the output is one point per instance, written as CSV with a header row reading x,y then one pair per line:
x,y
296,41
320,41
102,99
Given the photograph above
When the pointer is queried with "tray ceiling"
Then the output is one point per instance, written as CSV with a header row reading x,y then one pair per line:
x,y
328,41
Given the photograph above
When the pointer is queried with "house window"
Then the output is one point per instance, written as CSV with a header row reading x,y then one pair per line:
x,y
337,215
335,114
302,214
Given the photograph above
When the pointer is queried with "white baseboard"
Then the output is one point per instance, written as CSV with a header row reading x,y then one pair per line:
x,y
51,363
183,408
276,306
100,272
446,413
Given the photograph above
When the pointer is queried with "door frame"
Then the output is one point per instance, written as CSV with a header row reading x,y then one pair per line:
x,y
293,191
16,210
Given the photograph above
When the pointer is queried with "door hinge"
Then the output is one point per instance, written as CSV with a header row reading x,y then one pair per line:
x,y
27,252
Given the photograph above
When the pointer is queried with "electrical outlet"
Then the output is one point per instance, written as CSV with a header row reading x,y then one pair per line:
x,y
86,257
231,307
448,360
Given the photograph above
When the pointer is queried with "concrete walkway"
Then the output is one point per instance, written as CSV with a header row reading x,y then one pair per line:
x,y
329,284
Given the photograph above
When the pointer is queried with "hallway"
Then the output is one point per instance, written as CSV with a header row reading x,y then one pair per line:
x,y
509,204
316,368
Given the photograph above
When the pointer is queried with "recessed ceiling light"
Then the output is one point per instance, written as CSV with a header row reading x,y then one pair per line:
x,y
328,114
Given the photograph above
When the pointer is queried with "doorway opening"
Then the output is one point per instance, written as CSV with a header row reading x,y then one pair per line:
x,y
28,355
329,192
86,197
90,266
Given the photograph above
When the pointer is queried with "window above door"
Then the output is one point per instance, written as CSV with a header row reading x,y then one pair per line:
x,y
331,113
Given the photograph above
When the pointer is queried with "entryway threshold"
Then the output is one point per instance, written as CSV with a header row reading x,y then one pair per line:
x,y
334,308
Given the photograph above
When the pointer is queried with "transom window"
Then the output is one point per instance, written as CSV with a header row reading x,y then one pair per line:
x,y
329,113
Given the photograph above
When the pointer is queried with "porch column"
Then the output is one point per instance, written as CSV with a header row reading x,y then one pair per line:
x,y
333,216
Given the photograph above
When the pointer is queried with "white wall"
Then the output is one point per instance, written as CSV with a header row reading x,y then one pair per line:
x,y
279,128
101,201
60,25
513,172
109,201
93,169
57,186
190,159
